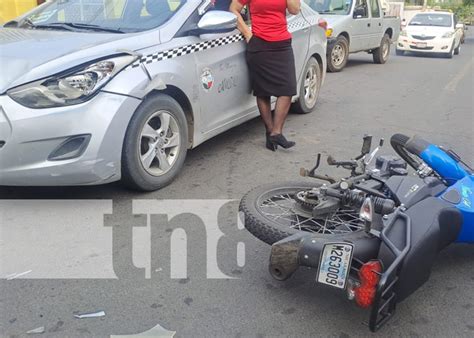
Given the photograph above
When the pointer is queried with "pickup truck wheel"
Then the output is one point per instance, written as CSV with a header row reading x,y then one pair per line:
x,y
380,54
309,88
337,54
155,144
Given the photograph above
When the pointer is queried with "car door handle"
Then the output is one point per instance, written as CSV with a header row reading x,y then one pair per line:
x,y
380,24
368,25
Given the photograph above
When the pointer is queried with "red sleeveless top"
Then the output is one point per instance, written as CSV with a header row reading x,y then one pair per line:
x,y
268,19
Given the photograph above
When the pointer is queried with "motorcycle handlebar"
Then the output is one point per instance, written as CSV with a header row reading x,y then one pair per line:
x,y
381,205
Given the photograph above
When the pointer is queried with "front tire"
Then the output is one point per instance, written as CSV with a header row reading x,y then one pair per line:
x,y
337,54
155,144
309,88
458,49
451,52
261,206
380,54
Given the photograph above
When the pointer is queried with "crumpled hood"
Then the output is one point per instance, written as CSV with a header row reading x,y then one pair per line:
x,y
27,55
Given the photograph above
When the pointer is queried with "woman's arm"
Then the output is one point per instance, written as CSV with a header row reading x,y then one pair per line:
x,y
236,8
293,6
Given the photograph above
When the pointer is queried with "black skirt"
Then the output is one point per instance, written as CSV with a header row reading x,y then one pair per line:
x,y
272,67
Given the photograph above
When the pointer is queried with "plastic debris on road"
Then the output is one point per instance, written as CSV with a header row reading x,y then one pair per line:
x,y
90,315
38,330
156,332
16,275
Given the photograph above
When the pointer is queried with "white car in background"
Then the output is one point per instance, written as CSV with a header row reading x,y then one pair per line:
x,y
431,32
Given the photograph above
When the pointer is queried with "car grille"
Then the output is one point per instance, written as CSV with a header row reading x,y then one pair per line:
x,y
423,37
421,48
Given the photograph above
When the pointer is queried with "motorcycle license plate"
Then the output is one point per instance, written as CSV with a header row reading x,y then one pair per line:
x,y
335,264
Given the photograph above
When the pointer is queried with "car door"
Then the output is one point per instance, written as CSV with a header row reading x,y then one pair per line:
x,y
376,24
360,39
223,80
300,31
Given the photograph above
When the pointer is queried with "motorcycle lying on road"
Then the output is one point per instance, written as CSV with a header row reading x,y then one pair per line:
x,y
374,234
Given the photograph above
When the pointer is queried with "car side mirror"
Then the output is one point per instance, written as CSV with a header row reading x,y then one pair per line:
x,y
359,12
217,21
459,26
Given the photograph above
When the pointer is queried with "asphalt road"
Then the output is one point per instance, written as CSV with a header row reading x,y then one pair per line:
x,y
429,96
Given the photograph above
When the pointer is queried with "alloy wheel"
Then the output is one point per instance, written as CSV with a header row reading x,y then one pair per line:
x,y
311,84
159,143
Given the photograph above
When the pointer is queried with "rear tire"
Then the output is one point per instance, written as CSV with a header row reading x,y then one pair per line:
x,y
381,54
337,54
167,159
309,88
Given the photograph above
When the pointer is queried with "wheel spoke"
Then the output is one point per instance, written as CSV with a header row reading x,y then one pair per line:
x,y
163,160
148,157
173,141
149,132
283,209
165,123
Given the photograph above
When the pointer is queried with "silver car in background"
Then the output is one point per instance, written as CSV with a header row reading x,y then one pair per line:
x,y
97,91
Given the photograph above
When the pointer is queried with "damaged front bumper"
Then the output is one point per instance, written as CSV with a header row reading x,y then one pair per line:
x,y
73,145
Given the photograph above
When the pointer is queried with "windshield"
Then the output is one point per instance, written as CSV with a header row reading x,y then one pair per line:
x,y
121,16
339,7
441,20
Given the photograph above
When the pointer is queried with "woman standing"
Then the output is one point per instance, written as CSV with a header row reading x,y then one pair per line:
x,y
270,60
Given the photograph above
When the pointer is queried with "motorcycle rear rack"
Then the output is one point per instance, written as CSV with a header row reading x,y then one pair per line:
x,y
386,298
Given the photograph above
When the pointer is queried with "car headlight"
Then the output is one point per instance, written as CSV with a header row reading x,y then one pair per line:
x,y
448,35
71,87
403,33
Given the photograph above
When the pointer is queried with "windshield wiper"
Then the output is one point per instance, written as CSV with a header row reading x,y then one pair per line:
x,y
68,26
16,23
89,27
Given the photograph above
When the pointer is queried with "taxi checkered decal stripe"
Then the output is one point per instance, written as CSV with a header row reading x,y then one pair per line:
x,y
189,49
200,46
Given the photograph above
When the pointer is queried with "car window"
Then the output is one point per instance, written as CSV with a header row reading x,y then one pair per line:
x,y
374,8
338,7
361,8
123,15
221,5
431,19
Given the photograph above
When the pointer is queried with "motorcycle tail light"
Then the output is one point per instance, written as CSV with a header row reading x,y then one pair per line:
x,y
369,275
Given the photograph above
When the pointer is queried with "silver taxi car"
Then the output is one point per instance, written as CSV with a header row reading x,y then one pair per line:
x,y
95,91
